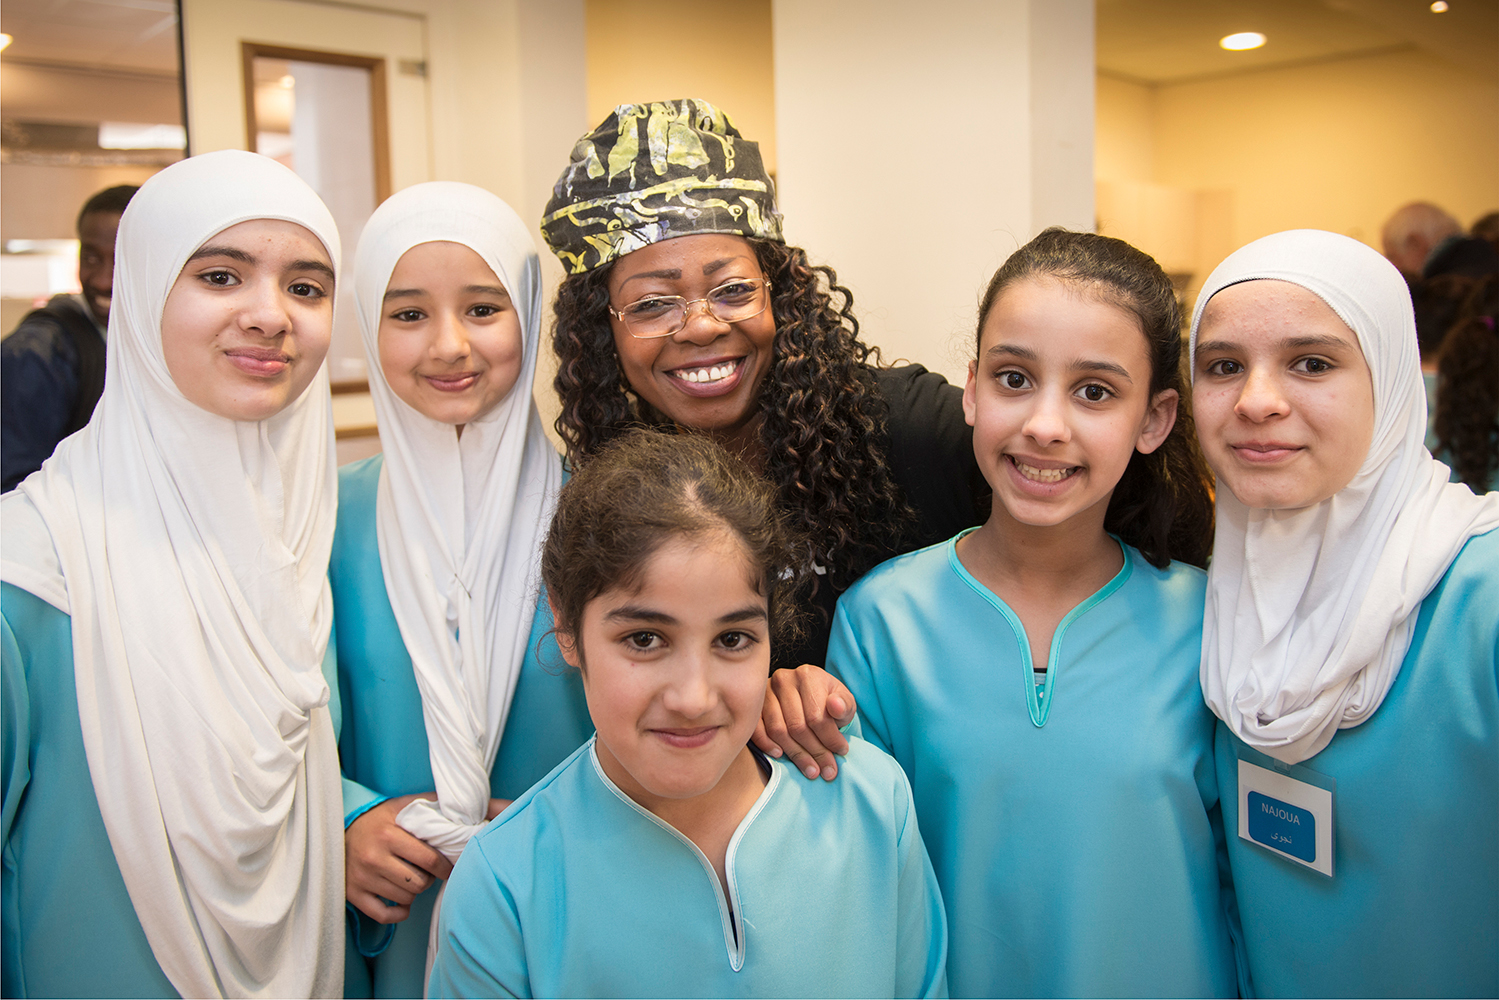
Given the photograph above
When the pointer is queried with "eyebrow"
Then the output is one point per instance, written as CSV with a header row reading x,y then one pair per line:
x,y
1081,364
714,266
213,250
235,253
406,293
311,265
675,273
635,613
1317,340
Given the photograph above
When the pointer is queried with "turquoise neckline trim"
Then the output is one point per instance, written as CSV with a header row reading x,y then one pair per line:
x,y
1039,698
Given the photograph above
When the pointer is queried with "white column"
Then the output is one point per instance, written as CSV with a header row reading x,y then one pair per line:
x,y
920,144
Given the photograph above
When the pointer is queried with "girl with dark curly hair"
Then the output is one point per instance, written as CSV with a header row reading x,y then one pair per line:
x,y
659,859
685,309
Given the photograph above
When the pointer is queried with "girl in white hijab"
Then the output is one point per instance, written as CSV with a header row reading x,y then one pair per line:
x,y
1351,641
455,694
170,760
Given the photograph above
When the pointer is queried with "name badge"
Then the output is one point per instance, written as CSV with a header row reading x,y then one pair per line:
x,y
1287,809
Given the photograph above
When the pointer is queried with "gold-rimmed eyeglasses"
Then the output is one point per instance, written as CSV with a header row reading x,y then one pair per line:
x,y
663,315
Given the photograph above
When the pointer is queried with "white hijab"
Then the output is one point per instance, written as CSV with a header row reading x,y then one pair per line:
x,y
460,521
1310,611
192,553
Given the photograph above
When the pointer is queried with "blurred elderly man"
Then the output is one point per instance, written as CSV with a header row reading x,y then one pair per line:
x,y
1413,232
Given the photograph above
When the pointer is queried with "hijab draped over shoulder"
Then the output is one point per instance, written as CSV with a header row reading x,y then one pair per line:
x,y
191,552
460,520
1310,611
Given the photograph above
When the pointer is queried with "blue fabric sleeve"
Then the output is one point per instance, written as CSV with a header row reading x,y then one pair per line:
x,y
330,674
921,969
480,952
359,800
38,383
15,735
15,727
847,663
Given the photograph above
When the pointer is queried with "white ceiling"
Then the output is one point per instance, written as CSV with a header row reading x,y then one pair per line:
x,y
139,35
1171,41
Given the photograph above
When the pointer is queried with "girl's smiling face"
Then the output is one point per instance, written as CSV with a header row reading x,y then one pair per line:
x,y
1282,395
674,669
707,375
450,338
1059,399
247,323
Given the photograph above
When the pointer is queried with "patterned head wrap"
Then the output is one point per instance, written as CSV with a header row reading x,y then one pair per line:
x,y
652,172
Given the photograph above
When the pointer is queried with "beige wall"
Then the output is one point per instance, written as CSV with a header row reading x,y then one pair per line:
x,y
1124,142
653,50
1336,145
921,145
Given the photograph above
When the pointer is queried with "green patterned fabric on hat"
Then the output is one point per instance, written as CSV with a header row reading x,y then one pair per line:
x,y
652,172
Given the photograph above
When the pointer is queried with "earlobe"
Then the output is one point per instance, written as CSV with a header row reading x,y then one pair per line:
x,y
1160,417
969,390
566,643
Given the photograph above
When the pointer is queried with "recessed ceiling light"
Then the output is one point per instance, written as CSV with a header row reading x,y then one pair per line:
x,y
1440,7
1241,41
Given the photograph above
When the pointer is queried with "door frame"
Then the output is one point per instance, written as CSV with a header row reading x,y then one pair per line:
x,y
380,124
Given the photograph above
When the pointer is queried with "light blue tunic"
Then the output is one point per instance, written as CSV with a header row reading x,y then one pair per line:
x,y
1412,908
384,742
577,891
1076,834
69,926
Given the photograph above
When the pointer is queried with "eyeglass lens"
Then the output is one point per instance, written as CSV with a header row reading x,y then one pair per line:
x,y
664,315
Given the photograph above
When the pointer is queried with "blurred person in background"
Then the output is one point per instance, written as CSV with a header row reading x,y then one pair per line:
x,y
1441,264
52,366
1465,429
1452,273
1412,233
1487,228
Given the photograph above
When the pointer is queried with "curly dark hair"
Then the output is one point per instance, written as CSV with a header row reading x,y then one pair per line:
x,y
1163,504
645,488
824,423
1467,417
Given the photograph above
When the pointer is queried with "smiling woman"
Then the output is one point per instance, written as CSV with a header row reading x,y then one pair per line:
x,y
685,309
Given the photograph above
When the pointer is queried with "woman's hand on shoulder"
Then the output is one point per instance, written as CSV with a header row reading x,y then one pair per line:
x,y
804,709
383,862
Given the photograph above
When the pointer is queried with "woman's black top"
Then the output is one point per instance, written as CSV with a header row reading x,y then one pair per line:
x,y
930,452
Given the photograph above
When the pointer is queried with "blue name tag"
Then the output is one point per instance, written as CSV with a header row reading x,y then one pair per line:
x,y
1287,828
